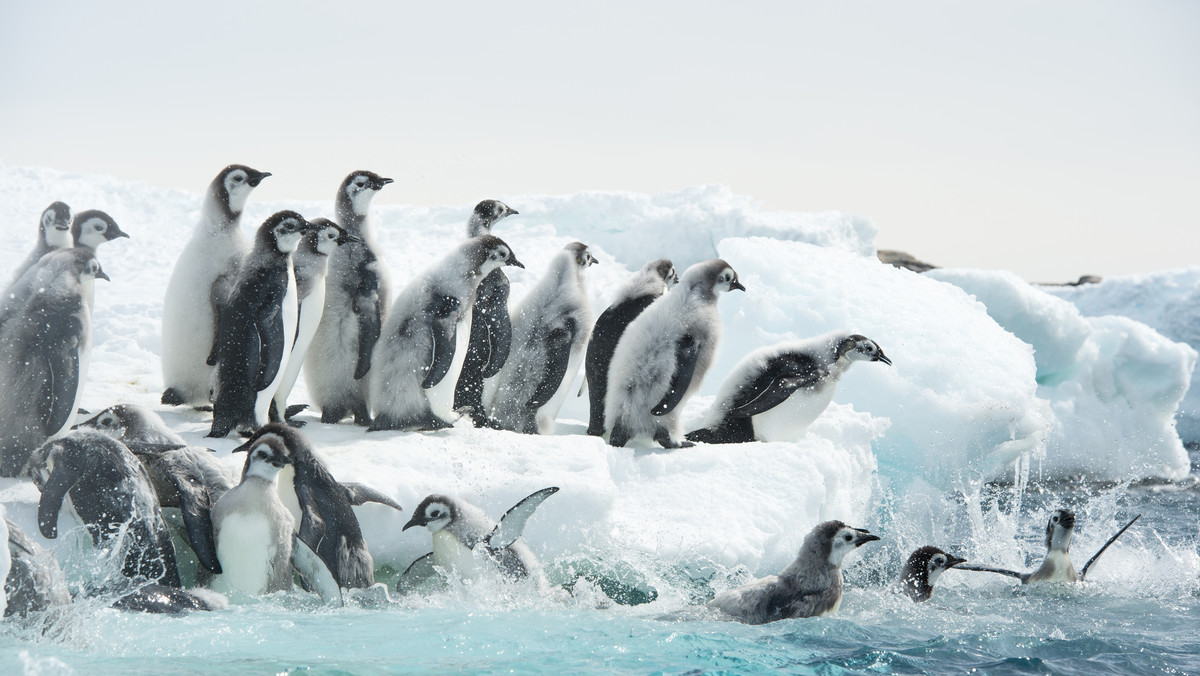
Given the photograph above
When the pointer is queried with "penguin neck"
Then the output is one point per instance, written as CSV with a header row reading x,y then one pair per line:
x,y
350,220
217,215
476,226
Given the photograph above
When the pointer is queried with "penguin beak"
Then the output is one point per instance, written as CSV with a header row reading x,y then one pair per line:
x,y
100,275
952,561
256,177
514,261
115,232
246,446
512,212
378,185
414,521
591,260
347,237
735,284
883,358
863,538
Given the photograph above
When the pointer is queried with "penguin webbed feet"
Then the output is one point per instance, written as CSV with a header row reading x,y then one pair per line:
x,y
663,437
172,397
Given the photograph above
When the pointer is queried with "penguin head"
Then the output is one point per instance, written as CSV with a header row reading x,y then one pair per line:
x,y
56,226
861,348
580,255
327,236
88,267
268,455
666,270
297,447
92,228
107,421
435,513
358,189
710,278
489,252
835,540
1059,530
232,187
283,231
485,215
928,563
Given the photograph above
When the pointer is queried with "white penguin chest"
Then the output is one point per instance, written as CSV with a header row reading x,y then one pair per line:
x,y
1056,568
788,420
288,312
451,554
247,550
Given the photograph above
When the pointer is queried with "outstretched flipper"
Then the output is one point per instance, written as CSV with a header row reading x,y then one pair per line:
x,y
418,574
558,356
444,334
361,494
512,524
315,573
1083,573
686,352
1023,577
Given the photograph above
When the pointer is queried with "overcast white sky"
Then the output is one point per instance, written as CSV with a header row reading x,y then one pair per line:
x,y
1050,138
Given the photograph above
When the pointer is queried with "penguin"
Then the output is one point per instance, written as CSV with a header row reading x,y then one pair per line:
x,y
417,350
34,582
257,328
200,284
356,300
109,491
311,262
93,227
663,356
776,392
460,529
639,292
45,344
132,422
811,586
921,571
322,506
54,232
491,325
1057,566
550,333
162,600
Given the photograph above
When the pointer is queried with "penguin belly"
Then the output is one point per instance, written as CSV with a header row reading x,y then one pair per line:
x,y
310,312
453,556
788,420
1056,568
246,551
289,309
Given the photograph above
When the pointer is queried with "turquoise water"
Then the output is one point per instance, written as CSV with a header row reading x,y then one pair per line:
x,y
1140,614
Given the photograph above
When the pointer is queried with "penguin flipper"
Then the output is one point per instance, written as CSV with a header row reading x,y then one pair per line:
x,y
417,574
444,333
498,325
270,340
988,569
512,524
62,382
195,504
775,384
558,356
61,480
686,353
368,307
361,494
1083,573
315,573
312,524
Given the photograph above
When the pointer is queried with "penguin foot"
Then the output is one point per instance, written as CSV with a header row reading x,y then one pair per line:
x,y
172,397
206,409
331,416
619,436
293,410
663,437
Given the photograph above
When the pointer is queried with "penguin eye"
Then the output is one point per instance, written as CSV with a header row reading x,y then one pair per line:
x,y
939,561
435,513
847,537
1054,518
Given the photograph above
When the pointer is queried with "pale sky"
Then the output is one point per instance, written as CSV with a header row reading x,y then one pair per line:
x,y
1053,139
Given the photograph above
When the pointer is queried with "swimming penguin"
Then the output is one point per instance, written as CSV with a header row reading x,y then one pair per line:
x,y
550,332
921,571
257,328
459,528
111,494
417,350
322,506
776,392
1057,566
810,586
663,356
356,300
200,285
311,262
45,344
639,292
34,582
254,533
491,325
54,232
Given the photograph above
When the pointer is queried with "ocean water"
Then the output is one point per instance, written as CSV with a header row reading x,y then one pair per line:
x,y
1138,613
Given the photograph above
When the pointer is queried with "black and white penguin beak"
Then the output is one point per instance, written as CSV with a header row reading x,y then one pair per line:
x,y
256,177
379,183
591,260
883,358
863,538
952,561
735,284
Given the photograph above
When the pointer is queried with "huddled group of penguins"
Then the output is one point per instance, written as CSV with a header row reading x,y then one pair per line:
x,y
241,320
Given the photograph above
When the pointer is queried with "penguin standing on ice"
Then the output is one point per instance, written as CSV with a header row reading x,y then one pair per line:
x,y
551,331
417,351
1057,566
664,354
356,299
45,344
311,262
491,325
639,292
257,328
776,392
54,232
810,586
922,570
200,286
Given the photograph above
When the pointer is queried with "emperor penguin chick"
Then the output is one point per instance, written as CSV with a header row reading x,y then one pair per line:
x,y
550,333
921,571
639,292
200,286
776,392
663,356
54,232
252,529
809,587
356,299
311,262
257,328
417,350
45,346
93,227
491,325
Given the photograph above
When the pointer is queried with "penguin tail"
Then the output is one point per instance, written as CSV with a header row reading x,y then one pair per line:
x,y
172,397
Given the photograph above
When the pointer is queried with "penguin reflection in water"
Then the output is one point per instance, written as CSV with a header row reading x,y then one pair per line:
x,y
1057,566
810,586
